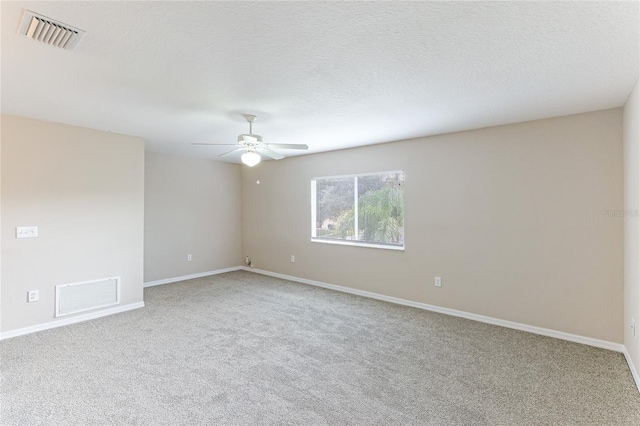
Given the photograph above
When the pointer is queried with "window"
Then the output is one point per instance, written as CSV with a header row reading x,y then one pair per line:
x,y
365,210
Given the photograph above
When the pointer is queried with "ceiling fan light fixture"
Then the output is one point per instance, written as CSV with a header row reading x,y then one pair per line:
x,y
250,158
253,146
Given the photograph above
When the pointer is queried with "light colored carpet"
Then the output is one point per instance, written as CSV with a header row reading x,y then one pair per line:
x,y
242,348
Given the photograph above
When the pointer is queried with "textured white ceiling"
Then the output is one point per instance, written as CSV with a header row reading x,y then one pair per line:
x,y
331,75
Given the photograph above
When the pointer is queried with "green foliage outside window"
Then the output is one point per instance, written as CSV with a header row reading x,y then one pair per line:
x,y
380,207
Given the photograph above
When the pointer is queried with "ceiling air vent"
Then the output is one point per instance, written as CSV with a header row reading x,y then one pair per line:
x,y
49,31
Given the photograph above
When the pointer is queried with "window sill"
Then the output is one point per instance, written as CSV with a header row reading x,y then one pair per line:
x,y
358,244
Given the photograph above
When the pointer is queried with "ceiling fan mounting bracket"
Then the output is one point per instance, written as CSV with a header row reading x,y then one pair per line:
x,y
250,119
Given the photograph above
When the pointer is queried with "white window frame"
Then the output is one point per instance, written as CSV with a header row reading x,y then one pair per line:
x,y
355,243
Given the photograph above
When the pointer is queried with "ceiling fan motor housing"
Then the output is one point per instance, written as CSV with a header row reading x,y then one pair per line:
x,y
250,138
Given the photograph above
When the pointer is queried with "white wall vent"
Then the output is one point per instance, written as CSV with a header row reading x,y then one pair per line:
x,y
79,297
50,31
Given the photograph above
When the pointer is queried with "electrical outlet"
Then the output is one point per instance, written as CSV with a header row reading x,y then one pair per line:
x,y
32,296
189,258
438,282
293,259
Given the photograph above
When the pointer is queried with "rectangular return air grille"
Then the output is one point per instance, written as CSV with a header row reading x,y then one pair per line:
x,y
79,297
49,31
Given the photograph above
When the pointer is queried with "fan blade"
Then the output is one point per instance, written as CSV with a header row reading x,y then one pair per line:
x,y
230,152
288,145
270,153
217,144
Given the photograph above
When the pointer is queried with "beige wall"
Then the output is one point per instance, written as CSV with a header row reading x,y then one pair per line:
x,y
84,190
192,206
631,228
512,218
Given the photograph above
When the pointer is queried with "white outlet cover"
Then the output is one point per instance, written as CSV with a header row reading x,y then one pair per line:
x,y
32,296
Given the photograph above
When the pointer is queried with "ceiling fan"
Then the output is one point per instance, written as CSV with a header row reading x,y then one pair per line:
x,y
253,146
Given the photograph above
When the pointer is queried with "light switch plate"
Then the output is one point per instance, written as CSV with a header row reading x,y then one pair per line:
x,y
26,232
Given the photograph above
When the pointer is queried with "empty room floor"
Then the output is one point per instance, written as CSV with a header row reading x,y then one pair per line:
x,y
242,348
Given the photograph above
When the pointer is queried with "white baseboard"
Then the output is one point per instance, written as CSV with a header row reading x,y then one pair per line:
x,y
632,367
604,344
192,276
105,312
72,320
